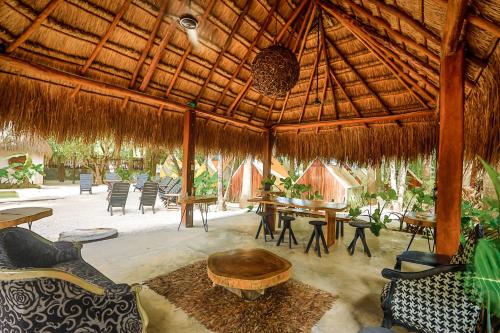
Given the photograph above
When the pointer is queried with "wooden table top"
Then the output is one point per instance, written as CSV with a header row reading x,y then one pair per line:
x,y
419,220
248,269
15,216
302,203
197,199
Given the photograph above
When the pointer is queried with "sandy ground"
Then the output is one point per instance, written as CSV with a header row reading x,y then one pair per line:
x,y
150,245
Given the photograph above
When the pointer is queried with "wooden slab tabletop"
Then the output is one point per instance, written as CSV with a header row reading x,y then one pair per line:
x,y
301,203
198,199
15,216
248,269
421,221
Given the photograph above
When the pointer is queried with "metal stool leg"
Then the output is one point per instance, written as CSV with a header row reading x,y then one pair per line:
x,y
293,237
317,247
281,237
258,230
310,242
363,240
323,241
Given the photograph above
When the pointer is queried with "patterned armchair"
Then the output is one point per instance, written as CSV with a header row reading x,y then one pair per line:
x,y
48,287
435,300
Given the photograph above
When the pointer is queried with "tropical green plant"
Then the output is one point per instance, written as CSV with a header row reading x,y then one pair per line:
x,y
377,218
314,195
482,275
124,173
419,200
4,174
269,183
294,189
23,173
206,184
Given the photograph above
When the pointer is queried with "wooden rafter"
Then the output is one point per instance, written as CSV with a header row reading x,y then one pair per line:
x,y
255,108
323,97
102,41
55,74
239,97
158,54
270,111
428,34
367,40
224,48
188,50
247,54
311,80
290,21
344,92
149,44
51,6
292,18
360,78
396,35
351,121
302,46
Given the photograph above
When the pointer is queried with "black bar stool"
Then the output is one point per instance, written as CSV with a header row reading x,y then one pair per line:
x,y
318,234
340,219
287,224
264,224
360,226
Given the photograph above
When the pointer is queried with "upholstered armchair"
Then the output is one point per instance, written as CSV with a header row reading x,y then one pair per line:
x,y
48,287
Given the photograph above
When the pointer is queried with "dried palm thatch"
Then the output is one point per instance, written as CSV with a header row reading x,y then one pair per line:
x,y
383,59
482,115
18,143
289,307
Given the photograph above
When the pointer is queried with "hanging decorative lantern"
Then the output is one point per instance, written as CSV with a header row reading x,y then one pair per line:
x,y
275,71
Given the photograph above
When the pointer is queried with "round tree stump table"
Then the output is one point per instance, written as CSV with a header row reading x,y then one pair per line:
x,y
248,272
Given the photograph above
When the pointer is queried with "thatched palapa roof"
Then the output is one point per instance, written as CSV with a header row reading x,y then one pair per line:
x,y
125,68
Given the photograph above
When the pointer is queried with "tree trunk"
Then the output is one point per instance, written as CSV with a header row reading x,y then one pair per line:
x,y
230,179
221,203
246,187
401,185
392,175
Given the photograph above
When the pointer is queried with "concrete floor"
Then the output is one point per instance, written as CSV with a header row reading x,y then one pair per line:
x,y
356,280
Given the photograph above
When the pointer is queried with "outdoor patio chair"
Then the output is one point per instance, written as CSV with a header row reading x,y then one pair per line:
x,y
434,300
148,196
463,255
118,197
47,287
112,176
171,193
165,182
141,179
86,181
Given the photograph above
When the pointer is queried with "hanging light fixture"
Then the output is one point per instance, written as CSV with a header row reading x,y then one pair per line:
x,y
317,101
275,70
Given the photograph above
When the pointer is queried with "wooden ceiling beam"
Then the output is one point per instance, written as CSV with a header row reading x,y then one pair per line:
x,y
55,74
344,92
250,80
292,18
455,16
350,121
396,35
304,39
480,22
403,16
102,41
247,54
238,98
229,39
311,79
51,6
323,97
188,50
158,54
256,108
361,79
149,43
270,111
367,40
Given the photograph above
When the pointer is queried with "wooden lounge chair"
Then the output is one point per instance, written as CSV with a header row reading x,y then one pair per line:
x,y
86,181
148,196
110,178
118,197
165,182
171,193
141,179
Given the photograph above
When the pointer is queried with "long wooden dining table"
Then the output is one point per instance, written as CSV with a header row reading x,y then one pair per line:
x,y
330,209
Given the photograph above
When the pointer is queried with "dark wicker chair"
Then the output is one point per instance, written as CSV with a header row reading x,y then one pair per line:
x,y
430,259
86,181
48,287
118,197
148,196
141,180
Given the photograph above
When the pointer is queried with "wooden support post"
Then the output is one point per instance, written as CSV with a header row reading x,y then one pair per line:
x,y
451,152
267,155
188,146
